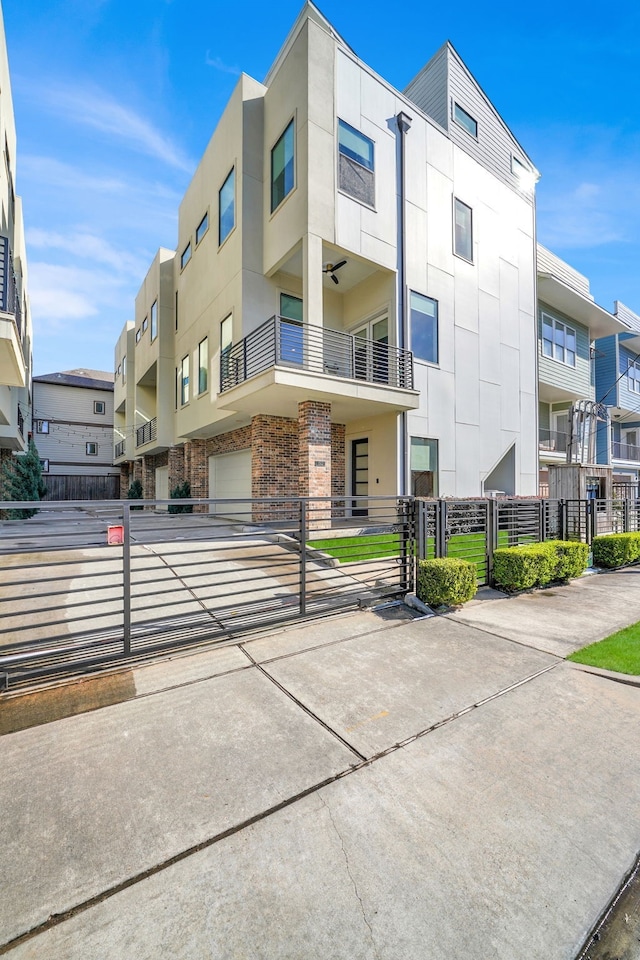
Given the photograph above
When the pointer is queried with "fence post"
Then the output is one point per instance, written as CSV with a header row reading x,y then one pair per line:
x,y
126,579
421,544
562,520
542,533
303,558
441,529
626,514
491,537
591,520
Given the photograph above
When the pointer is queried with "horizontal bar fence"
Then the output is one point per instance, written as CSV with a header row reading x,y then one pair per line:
x,y
86,585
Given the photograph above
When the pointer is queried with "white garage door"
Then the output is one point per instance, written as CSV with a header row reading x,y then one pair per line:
x,y
230,477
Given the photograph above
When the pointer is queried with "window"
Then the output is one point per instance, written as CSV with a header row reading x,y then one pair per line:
x,y
463,231
226,340
186,256
424,467
45,466
124,369
423,320
119,370
203,365
202,228
633,376
138,335
282,167
154,320
92,448
355,164
145,324
42,426
558,340
291,332
227,207
176,309
465,120
184,381
99,406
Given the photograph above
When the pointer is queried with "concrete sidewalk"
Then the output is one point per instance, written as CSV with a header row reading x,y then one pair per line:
x,y
351,788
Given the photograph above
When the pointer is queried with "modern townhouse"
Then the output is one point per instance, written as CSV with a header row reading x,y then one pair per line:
x,y
617,378
15,316
569,324
73,431
351,308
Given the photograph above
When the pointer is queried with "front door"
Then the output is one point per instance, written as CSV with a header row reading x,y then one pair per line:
x,y
359,476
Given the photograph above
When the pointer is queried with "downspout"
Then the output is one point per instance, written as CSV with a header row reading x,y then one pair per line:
x,y
404,125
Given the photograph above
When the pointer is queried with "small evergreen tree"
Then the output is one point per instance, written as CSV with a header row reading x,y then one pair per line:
x,y
180,491
22,480
135,492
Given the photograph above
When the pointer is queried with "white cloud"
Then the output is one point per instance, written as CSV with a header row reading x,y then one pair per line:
x,y
61,293
87,246
218,64
97,109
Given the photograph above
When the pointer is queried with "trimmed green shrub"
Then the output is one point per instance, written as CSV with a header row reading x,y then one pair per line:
x,y
447,581
518,568
616,549
573,557
135,492
182,491
22,480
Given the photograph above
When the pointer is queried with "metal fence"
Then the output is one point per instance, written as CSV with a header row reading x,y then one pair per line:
x,y
86,585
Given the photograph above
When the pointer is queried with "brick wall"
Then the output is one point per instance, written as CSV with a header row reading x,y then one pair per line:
x,y
125,482
338,467
314,459
175,462
195,454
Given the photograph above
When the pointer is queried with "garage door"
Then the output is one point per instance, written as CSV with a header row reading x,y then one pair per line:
x,y
230,478
162,484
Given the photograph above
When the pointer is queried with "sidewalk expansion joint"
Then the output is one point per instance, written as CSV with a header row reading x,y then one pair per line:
x,y
499,636
58,918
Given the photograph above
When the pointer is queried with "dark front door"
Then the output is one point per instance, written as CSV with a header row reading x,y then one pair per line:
x,y
359,475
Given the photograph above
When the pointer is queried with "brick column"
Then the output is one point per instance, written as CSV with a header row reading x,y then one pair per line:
x,y
195,455
176,467
338,467
274,465
314,458
125,483
137,471
149,477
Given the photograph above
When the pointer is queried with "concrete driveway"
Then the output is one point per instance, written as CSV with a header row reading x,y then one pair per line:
x,y
352,788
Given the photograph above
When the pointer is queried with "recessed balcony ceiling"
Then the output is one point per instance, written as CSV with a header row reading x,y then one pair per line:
x,y
349,276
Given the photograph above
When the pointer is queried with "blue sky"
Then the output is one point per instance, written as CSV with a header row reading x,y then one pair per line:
x,y
115,102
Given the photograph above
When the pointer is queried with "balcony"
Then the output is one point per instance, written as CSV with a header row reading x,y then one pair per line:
x,y
147,432
119,449
625,451
550,441
12,366
290,361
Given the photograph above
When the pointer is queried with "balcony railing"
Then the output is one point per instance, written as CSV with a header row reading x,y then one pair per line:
x,y
147,432
625,451
552,441
282,342
9,291
20,422
120,448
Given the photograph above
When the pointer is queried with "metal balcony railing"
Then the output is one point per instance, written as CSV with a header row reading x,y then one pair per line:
x,y
283,342
20,422
9,288
120,447
625,451
552,441
147,432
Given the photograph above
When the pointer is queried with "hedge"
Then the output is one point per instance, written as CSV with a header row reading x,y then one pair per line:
x,y
449,581
573,557
518,568
616,549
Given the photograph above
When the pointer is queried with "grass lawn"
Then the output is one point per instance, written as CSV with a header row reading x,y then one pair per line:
x,y
619,652
350,549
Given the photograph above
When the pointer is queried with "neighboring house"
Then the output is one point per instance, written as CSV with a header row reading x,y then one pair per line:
x,y
618,385
351,306
15,315
569,321
73,431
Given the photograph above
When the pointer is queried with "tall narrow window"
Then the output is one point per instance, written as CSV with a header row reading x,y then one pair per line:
x,y
202,228
203,365
282,167
424,467
154,320
227,207
424,327
463,231
184,380
291,332
226,341
124,369
355,164
186,256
